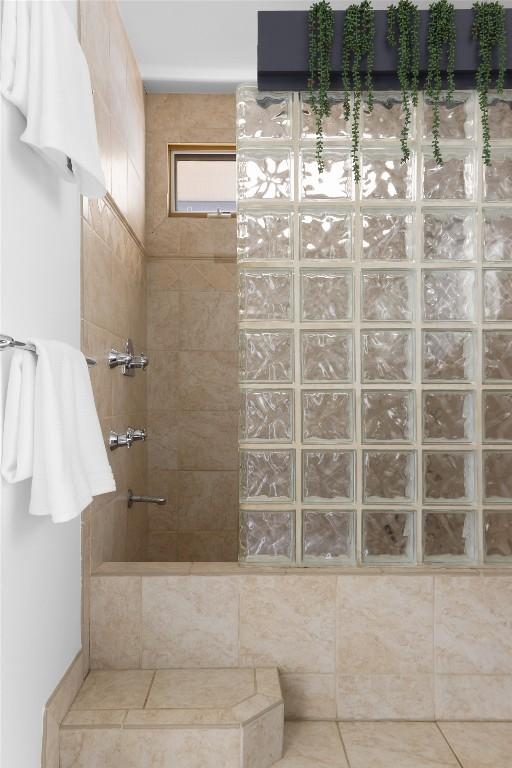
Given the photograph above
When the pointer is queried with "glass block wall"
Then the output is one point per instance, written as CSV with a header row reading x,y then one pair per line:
x,y
375,336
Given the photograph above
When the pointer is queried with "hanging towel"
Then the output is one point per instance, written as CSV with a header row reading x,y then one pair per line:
x,y
45,74
18,440
70,459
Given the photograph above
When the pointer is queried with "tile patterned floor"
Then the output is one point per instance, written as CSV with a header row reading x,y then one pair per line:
x,y
397,745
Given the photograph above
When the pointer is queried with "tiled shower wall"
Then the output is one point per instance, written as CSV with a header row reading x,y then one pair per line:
x,y
376,416
192,338
114,283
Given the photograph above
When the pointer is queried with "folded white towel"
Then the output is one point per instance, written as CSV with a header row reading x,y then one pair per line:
x,y
45,74
18,441
70,459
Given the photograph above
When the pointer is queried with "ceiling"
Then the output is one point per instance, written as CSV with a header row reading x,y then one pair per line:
x,y
205,45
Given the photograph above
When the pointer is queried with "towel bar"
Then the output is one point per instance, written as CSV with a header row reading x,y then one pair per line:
x,y
8,341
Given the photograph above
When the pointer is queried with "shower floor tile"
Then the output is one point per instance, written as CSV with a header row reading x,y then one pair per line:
x,y
396,745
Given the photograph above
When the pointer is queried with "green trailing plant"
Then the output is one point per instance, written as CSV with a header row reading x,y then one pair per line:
x,y
490,30
358,44
321,34
441,47
403,21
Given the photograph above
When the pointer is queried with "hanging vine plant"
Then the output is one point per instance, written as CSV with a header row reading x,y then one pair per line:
x,y
403,22
358,44
490,30
441,47
321,34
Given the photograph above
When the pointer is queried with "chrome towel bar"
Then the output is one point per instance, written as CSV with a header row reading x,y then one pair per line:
x,y
7,342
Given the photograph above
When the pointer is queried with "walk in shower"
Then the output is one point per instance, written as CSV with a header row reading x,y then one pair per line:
x,y
375,335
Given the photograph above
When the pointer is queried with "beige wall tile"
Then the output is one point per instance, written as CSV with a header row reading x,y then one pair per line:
x,y
385,697
474,697
162,381
162,275
97,279
195,688
208,546
309,697
181,748
190,622
163,320
96,343
208,440
396,745
208,321
473,621
163,482
288,622
50,751
114,689
385,625
480,745
89,748
208,381
162,546
116,622
208,501
163,445
262,739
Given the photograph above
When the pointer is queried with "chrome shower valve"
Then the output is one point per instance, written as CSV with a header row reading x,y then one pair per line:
x,y
125,439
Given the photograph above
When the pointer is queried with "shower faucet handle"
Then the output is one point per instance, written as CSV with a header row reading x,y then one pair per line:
x,y
125,439
116,358
138,361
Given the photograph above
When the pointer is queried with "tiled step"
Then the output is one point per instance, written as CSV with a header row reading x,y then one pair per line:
x,y
175,718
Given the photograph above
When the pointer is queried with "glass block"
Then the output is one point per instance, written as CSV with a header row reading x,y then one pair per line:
x,y
266,294
498,535
454,180
386,119
389,476
386,356
262,115
326,294
266,414
388,536
498,176
497,354
500,115
448,477
497,467
328,535
456,117
334,126
449,536
325,235
387,416
266,355
387,296
263,236
448,235
497,416
327,416
327,476
497,234
335,182
448,356
267,534
267,475
385,177
327,356
264,175
497,294
448,294
448,416
387,236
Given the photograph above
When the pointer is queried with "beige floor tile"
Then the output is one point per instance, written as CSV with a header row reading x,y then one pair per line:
x,y
312,745
396,745
118,689
480,745
198,688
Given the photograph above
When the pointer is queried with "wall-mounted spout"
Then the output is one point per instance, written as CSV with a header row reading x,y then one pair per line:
x,y
133,499
120,439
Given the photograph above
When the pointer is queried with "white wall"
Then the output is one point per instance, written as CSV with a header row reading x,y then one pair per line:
x,y
39,561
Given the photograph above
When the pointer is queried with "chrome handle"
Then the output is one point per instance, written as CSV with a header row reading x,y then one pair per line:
x,y
116,358
138,361
121,439
128,359
133,499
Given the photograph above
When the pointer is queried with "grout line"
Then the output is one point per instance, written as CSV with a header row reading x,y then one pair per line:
x,y
149,689
448,743
343,746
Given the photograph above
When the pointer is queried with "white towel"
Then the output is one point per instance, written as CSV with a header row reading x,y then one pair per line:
x,y
70,459
18,440
45,74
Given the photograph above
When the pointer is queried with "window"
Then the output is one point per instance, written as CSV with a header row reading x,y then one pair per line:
x,y
202,179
